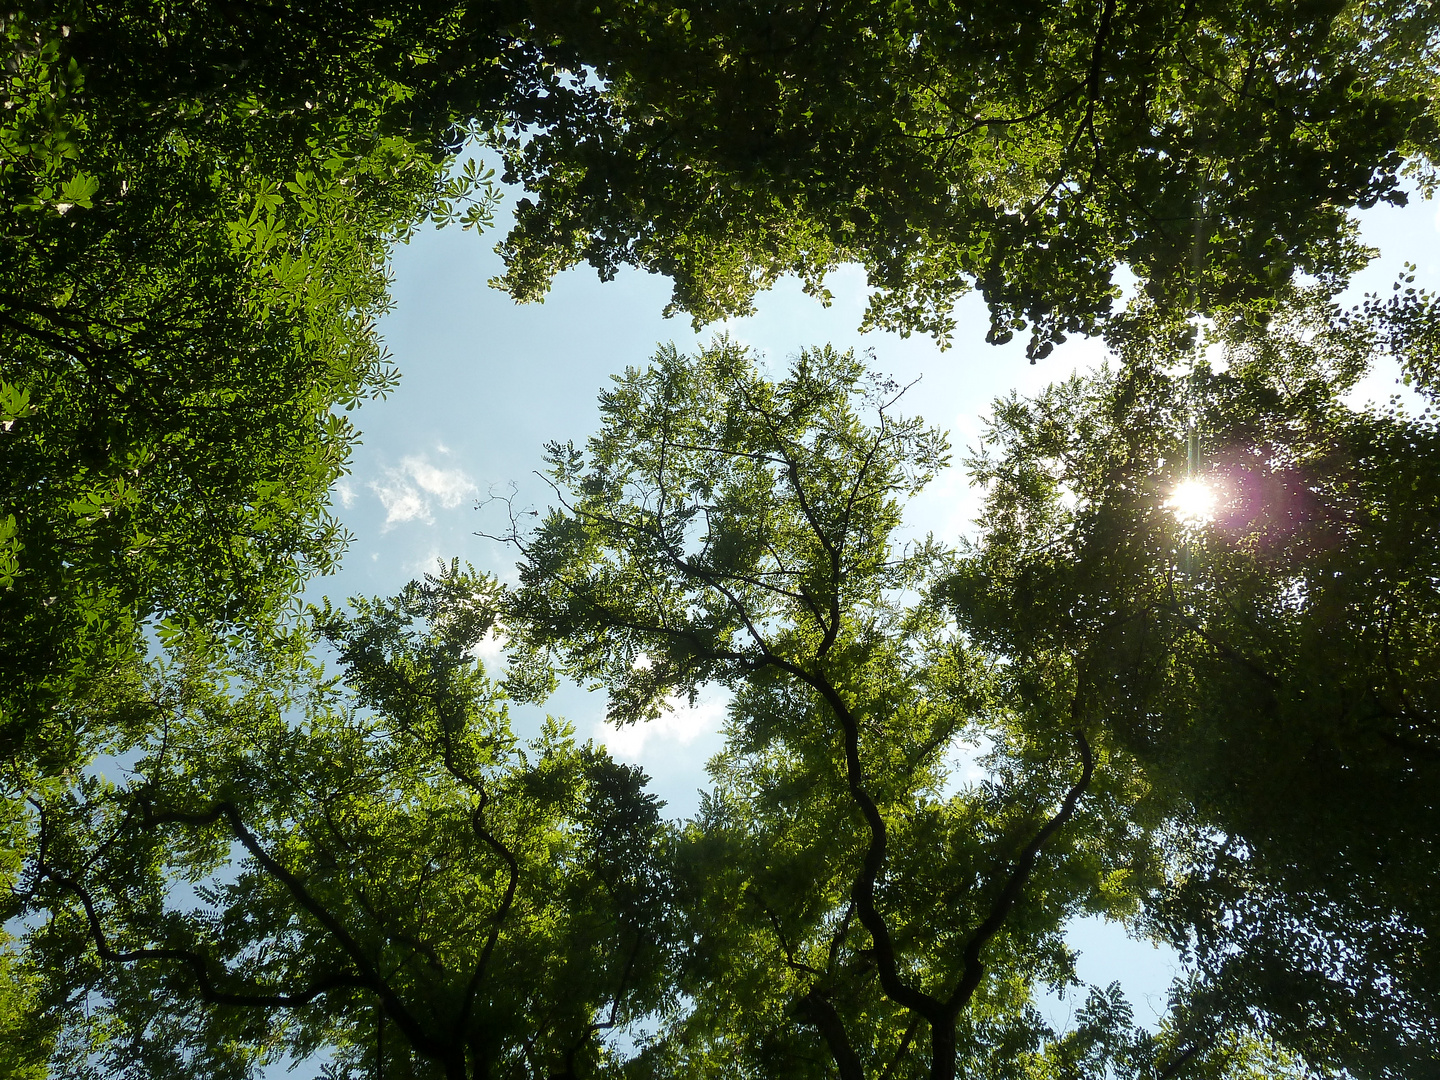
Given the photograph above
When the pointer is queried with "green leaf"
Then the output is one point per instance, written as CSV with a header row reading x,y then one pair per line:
x,y
79,190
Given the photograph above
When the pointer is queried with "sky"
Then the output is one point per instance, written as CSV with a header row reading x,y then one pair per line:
x,y
486,383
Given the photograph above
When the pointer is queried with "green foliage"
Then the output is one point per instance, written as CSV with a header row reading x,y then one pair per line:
x,y
378,870
1184,728
710,450
1024,149
852,912
26,1035
198,199
1169,733
1272,670
198,207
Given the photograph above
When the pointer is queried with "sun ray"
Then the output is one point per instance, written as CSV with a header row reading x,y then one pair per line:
x,y
1192,501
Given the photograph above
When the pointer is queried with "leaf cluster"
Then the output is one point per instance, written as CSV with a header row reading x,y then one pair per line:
x,y
853,911
1271,669
1026,150
380,870
197,223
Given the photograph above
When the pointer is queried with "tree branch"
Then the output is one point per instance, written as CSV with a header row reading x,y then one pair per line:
x,y
863,889
210,991
1010,895
369,974
817,1010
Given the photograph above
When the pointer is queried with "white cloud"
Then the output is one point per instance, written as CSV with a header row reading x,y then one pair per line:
x,y
413,490
426,564
450,487
402,502
964,763
490,650
680,725
345,491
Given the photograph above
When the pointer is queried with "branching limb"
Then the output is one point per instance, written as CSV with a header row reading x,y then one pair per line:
x,y
863,889
1087,121
974,968
817,1011
368,974
507,900
211,991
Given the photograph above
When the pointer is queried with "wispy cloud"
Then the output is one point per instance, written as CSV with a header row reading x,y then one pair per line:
x,y
490,650
680,725
345,492
965,762
416,487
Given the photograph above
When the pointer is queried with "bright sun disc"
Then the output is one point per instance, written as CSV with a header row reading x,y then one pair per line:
x,y
1193,502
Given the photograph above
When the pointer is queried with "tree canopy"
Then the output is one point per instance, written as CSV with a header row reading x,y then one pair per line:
x,y
1273,666
238,833
1024,149
384,872
200,198
1171,731
195,260
860,915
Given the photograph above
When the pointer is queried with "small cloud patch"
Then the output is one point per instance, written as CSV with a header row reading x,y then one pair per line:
x,y
680,725
416,488
965,763
490,650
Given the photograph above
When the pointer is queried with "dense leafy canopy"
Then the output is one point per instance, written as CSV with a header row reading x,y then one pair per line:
x,y
1173,729
1027,149
1274,668
385,873
1220,732
196,241
857,914
199,198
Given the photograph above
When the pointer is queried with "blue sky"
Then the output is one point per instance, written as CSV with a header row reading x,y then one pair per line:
x,y
485,383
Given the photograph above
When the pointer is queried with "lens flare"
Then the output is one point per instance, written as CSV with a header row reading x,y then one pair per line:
x,y
1193,502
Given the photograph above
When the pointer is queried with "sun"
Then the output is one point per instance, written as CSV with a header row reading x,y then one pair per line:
x,y
1192,501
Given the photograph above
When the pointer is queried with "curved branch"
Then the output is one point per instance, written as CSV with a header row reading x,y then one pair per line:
x,y
790,961
369,975
1001,121
1092,92
210,991
472,985
863,889
817,1011
1009,896
512,866
407,1023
